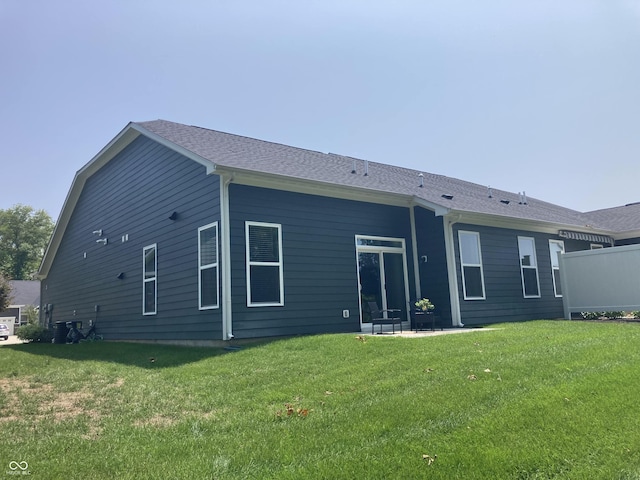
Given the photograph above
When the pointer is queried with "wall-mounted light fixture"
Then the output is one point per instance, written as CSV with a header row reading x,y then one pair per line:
x,y
120,276
173,216
103,241
98,232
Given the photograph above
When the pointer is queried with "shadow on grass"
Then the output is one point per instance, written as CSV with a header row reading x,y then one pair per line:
x,y
149,356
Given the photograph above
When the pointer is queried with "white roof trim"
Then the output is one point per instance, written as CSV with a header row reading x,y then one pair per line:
x,y
208,164
115,146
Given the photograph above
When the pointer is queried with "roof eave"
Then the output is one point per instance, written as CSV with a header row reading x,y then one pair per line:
x,y
627,234
515,223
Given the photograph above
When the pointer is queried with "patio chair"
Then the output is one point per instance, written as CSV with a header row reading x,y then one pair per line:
x,y
378,317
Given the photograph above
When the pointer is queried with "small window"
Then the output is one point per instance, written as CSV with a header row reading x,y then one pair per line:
x,y
529,267
596,246
556,247
208,266
471,264
149,280
265,285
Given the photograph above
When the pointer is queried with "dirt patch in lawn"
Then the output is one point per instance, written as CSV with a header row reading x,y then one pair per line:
x,y
32,401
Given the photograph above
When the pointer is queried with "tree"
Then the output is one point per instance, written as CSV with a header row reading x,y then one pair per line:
x,y
24,234
5,293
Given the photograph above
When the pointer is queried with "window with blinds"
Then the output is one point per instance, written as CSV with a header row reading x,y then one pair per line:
x,y
265,285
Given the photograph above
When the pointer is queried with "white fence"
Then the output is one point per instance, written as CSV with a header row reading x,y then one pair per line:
x,y
602,280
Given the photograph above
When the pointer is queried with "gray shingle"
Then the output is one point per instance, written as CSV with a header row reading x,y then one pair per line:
x,y
619,219
238,152
25,292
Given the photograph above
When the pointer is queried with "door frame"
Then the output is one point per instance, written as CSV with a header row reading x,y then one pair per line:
x,y
381,249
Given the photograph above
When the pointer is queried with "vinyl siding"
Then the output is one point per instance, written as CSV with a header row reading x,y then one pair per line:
x,y
503,284
433,274
319,258
134,194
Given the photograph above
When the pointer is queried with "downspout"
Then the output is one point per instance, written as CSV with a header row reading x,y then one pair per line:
x,y
454,296
225,241
414,251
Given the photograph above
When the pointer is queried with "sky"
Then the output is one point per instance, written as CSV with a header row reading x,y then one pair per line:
x,y
541,96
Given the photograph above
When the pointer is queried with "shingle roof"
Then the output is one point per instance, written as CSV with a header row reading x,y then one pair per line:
x,y
25,292
619,219
239,152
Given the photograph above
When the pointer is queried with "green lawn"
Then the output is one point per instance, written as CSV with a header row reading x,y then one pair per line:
x,y
545,399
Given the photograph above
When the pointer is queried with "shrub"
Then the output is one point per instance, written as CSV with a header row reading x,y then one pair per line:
x,y
591,315
34,333
613,315
636,314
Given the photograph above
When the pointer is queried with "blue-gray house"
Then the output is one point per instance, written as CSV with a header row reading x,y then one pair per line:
x,y
175,232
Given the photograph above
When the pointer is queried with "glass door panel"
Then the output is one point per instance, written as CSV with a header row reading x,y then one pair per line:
x,y
394,285
370,282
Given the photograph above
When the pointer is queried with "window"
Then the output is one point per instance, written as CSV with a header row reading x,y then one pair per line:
x,y
556,247
596,246
149,280
208,266
265,286
529,267
471,264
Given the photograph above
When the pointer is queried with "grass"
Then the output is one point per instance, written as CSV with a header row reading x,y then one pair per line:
x,y
545,399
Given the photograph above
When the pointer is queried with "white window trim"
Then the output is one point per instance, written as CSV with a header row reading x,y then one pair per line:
x,y
249,264
522,267
152,279
462,265
201,267
553,267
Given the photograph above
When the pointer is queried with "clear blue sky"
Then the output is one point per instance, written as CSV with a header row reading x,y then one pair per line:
x,y
534,95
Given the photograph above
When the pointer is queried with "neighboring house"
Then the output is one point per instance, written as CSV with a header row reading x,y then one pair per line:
x,y
175,232
625,221
24,293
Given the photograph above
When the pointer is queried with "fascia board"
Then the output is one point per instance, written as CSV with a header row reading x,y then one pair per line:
x,y
312,187
208,164
115,146
625,235
439,210
499,221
